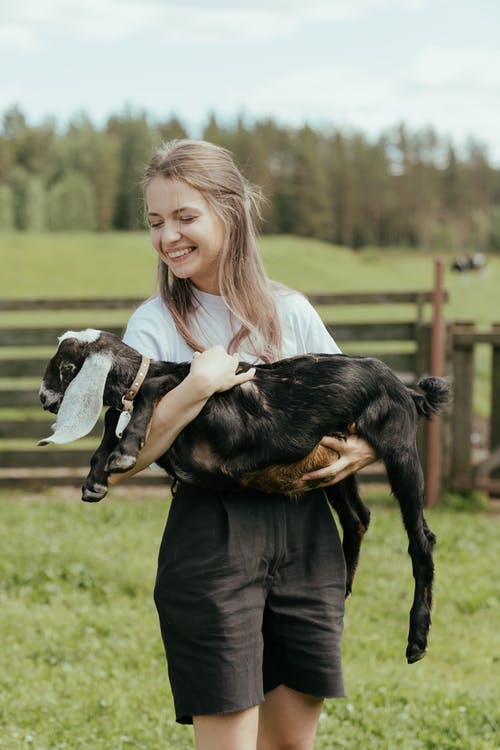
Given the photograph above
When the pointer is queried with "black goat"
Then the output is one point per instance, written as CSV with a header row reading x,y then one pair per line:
x,y
264,433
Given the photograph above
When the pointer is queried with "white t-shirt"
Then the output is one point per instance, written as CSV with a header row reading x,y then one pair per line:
x,y
151,329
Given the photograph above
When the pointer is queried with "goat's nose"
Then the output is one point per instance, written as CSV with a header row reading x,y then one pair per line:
x,y
43,398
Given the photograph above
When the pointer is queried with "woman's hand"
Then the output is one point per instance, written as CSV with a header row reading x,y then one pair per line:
x,y
213,371
354,454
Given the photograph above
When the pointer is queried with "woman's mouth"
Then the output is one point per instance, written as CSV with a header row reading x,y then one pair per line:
x,y
175,254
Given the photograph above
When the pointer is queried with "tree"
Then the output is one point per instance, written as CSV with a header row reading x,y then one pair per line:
x,y
36,205
311,200
72,204
135,139
7,222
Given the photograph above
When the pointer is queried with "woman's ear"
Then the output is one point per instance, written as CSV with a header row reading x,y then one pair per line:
x,y
83,400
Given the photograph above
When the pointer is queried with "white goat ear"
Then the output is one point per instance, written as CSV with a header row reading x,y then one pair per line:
x,y
82,402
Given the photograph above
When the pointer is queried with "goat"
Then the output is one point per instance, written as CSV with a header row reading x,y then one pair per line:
x,y
264,433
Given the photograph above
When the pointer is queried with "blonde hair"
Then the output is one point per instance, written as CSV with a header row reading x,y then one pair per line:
x,y
243,283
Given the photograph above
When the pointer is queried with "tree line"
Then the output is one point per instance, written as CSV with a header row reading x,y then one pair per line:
x,y
412,188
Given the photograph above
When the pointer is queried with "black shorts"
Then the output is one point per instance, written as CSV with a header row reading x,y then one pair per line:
x,y
250,594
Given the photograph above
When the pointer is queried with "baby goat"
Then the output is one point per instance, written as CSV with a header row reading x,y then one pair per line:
x,y
264,433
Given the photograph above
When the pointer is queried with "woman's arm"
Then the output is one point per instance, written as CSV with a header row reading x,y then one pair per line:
x,y
212,371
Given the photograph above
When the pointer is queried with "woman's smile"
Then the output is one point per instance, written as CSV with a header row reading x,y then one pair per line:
x,y
180,253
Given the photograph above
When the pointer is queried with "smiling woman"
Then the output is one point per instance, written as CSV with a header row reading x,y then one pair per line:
x,y
202,214
186,232
250,587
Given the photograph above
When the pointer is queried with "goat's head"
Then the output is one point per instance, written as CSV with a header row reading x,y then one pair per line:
x,y
73,384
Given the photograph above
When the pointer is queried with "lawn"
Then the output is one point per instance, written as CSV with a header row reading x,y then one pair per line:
x,y
124,264
82,666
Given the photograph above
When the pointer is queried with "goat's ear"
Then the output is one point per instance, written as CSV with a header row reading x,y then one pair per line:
x,y
82,401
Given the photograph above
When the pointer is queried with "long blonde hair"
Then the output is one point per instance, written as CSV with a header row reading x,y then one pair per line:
x,y
243,283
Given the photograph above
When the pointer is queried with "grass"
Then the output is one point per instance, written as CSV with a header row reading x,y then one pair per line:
x,y
82,665
124,264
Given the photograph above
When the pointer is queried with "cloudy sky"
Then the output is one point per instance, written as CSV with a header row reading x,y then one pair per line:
x,y
367,64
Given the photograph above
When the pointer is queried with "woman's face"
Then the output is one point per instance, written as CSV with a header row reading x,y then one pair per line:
x,y
185,231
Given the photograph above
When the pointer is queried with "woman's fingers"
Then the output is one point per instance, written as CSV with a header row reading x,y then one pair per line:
x,y
354,454
330,474
244,377
215,370
335,443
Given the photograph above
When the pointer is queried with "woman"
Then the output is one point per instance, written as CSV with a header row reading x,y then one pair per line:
x,y
250,587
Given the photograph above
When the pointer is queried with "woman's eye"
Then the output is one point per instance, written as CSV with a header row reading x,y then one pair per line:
x,y
187,219
155,225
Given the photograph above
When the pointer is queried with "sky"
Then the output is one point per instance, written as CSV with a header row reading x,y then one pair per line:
x,y
363,64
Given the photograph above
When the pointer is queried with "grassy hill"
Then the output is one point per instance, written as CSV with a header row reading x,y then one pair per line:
x,y
124,264
86,264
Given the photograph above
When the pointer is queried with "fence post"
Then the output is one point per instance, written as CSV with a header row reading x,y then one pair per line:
x,y
495,397
437,366
422,366
447,416
463,381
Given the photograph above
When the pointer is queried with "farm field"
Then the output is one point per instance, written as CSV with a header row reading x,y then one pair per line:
x,y
82,665
124,264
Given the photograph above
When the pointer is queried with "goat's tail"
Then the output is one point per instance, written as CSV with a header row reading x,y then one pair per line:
x,y
436,395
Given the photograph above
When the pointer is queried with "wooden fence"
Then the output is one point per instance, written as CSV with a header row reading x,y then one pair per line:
x,y
404,345
463,472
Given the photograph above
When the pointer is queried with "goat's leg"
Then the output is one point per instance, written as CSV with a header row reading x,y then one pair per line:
x,y
124,455
406,478
354,518
95,486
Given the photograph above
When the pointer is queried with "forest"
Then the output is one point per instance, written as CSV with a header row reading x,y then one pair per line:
x,y
415,189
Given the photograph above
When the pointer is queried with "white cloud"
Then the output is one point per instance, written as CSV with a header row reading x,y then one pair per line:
x,y
80,19
205,21
13,36
455,91
340,91
458,68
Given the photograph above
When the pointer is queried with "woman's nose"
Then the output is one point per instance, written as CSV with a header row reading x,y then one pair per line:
x,y
170,232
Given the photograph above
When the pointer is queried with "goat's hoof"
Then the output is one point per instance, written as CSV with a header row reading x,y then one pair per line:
x,y
94,494
414,653
120,463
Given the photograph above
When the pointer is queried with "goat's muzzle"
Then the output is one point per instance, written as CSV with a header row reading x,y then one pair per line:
x,y
50,401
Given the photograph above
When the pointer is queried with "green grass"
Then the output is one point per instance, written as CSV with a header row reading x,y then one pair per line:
x,y
124,264
82,665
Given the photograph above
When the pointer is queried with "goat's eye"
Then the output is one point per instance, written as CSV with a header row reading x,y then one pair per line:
x,y
66,370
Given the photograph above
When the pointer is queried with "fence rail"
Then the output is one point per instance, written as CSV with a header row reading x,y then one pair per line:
x,y
36,304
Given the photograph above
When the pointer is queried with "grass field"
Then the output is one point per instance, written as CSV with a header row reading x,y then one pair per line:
x,y
82,665
68,265
124,264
